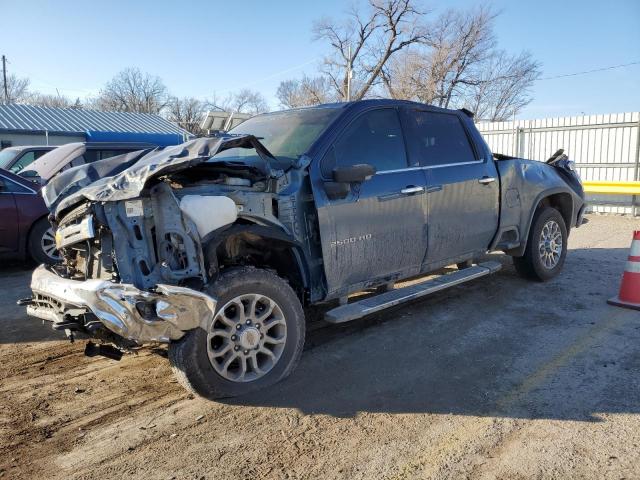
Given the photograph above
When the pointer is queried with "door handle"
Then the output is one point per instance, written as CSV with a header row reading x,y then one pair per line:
x,y
411,190
486,180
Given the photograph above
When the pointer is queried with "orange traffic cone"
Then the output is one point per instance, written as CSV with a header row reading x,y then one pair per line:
x,y
629,295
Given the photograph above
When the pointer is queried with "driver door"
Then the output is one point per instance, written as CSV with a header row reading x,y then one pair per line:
x,y
377,232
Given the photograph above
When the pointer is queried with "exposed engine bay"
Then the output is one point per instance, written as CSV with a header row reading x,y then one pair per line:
x,y
138,235
146,224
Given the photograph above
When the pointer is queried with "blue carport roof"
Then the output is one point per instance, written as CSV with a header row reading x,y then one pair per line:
x,y
32,119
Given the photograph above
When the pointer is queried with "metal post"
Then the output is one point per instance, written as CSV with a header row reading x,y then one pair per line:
x,y
349,76
516,140
636,169
520,142
4,79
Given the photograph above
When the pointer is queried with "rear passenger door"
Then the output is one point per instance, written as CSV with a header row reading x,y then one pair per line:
x,y
463,187
377,230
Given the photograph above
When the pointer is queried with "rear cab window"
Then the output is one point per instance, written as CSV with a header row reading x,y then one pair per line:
x,y
375,138
438,139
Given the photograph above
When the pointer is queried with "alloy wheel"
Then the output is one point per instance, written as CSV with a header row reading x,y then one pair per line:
x,y
48,245
550,244
246,338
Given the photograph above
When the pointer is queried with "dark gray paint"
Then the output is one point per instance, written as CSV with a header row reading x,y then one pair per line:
x,y
375,235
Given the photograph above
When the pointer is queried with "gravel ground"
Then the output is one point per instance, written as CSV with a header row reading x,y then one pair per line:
x,y
498,378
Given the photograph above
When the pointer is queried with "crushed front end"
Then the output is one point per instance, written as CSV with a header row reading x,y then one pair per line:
x,y
133,266
131,273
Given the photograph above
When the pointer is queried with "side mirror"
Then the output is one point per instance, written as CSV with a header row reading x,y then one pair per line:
x,y
343,177
354,173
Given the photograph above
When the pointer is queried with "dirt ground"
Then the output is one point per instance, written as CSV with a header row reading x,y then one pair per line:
x,y
498,378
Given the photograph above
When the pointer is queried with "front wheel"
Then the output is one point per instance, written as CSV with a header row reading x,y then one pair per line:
x,y
254,340
546,250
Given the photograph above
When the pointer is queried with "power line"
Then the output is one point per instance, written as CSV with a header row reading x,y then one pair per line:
x,y
591,71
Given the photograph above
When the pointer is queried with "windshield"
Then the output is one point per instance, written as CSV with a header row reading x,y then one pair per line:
x,y
6,157
287,135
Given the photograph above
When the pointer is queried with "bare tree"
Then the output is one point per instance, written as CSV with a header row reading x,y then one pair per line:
x,y
366,42
248,101
504,87
132,90
304,92
17,89
187,113
244,101
450,60
458,65
53,101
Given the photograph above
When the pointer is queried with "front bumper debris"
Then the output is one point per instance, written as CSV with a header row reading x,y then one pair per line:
x,y
137,315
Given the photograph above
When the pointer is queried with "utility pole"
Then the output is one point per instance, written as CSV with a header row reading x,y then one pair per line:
x,y
349,75
4,79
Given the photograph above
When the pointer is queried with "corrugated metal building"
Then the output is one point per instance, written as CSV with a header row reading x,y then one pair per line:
x,y
30,125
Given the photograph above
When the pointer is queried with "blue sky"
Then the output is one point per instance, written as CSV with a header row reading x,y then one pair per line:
x,y
202,47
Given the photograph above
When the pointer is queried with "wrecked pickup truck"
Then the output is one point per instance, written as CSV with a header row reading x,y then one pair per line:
x,y
214,246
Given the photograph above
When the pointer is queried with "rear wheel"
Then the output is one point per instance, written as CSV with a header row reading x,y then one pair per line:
x,y
255,338
42,243
546,250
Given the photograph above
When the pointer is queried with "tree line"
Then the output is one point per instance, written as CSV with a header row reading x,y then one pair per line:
x,y
395,49
389,48
133,90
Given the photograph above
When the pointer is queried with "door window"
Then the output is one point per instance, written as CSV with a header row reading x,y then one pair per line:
x,y
23,161
9,186
438,139
374,138
27,159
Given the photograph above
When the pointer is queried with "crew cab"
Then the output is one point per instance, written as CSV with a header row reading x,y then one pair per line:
x,y
216,245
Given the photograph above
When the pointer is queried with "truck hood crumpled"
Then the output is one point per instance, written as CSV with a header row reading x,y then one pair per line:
x,y
125,176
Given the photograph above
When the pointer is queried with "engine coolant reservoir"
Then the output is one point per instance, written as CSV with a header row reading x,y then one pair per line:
x,y
209,212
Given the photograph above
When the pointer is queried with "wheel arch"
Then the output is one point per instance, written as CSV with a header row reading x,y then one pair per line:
x,y
558,198
261,246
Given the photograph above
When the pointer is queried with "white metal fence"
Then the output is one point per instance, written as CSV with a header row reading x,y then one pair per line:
x,y
604,147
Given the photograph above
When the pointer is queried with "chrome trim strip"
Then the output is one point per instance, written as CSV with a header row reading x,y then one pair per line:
x,y
428,167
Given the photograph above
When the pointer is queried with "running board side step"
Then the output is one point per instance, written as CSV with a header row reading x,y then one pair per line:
x,y
359,309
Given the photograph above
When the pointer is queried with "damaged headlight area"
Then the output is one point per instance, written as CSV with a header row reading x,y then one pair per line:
x,y
120,313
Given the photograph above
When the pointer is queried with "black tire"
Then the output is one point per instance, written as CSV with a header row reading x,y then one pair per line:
x,y
531,265
35,243
189,358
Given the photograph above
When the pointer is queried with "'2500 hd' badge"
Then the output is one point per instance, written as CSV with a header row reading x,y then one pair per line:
x,y
347,241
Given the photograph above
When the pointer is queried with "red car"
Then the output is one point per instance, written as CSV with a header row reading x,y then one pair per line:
x,y
24,228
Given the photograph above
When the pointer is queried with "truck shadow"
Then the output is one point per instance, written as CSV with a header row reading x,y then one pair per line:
x,y
499,346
